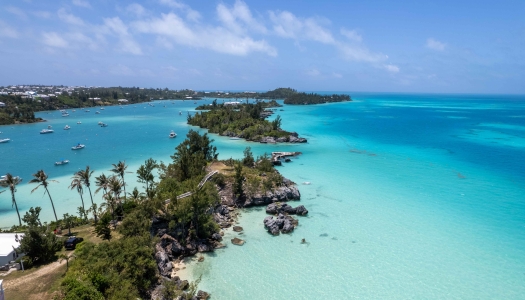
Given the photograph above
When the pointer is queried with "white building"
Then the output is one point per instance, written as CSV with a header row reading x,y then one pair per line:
x,y
7,242
2,104
123,100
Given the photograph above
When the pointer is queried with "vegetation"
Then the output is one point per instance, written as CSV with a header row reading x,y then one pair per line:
x,y
11,182
311,98
40,177
244,121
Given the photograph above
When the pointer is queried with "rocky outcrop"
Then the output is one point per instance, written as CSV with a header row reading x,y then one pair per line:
x,y
283,223
301,210
163,262
237,241
281,194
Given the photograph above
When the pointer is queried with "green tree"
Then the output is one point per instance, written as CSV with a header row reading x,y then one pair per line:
x,y
85,177
41,178
120,169
248,157
145,174
102,228
76,183
38,243
11,182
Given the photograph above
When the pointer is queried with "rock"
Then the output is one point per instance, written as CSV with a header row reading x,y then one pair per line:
x,y
221,233
288,226
281,140
163,263
201,259
216,237
219,245
176,249
237,228
288,209
203,248
202,295
183,284
301,210
223,210
166,239
272,209
237,241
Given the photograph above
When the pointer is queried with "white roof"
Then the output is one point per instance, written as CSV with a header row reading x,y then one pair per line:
x,y
7,242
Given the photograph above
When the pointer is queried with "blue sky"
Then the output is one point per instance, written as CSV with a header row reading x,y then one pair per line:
x,y
374,46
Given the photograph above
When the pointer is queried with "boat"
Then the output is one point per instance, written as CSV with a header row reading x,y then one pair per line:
x,y
66,127
87,110
235,138
74,110
103,125
77,147
4,140
180,113
97,112
44,131
102,108
49,126
4,177
100,123
65,114
62,162
79,122
172,134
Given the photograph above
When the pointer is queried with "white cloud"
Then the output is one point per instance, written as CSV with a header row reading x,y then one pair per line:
x,y
42,14
6,31
351,35
360,53
239,18
16,11
391,68
136,9
54,40
69,18
287,25
81,3
337,75
191,14
435,44
313,72
218,39
127,43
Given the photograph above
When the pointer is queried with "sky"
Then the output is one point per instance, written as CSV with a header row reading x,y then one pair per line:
x,y
364,46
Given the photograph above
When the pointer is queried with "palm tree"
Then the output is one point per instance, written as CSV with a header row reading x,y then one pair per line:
x,y
76,183
135,195
115,186
41,179
120,169
11,182
102,183
85,176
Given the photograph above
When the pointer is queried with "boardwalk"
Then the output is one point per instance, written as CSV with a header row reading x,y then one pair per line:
x,y
201,184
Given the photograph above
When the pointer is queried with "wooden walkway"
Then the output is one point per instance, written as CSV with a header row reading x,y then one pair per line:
x,y
201,184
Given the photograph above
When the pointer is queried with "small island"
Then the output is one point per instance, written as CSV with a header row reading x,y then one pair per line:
x,y
246,121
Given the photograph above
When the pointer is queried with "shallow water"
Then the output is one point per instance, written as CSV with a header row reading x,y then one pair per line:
x,y
411,196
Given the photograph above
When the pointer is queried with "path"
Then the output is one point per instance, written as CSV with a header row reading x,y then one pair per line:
x,y
201,184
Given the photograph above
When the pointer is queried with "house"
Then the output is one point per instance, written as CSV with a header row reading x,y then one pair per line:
x,y
122,100
2,104
8,244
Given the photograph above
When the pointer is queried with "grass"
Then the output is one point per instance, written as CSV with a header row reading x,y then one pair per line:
x,y
42,282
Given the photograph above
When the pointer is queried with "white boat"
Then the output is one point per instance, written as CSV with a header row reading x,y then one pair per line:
x,y
74,110
102,108
66,127
97,112
180,112
100,123
172,134
43,131
4,140
79,122
62,162
87,110
65,115
103,125
4,177
77,147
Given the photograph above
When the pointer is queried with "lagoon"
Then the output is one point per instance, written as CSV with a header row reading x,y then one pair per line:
x,y
411,196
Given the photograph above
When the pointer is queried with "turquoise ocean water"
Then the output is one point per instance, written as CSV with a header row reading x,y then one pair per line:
x,y
411,196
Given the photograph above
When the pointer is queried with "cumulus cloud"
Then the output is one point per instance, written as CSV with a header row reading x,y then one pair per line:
x,y
17,12
126,41
391,68
435,44
81,3
6,31
218,39
53,39
136,9
69,18
351,35
191,14
239,18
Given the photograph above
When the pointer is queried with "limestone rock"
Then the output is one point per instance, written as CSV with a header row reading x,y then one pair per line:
x,y
301,210
237,241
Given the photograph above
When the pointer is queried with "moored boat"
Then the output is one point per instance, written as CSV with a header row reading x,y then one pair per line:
x,y
103,125
44,131
97,112
79,122
66,127
172,134
62,162
4,140
77,147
